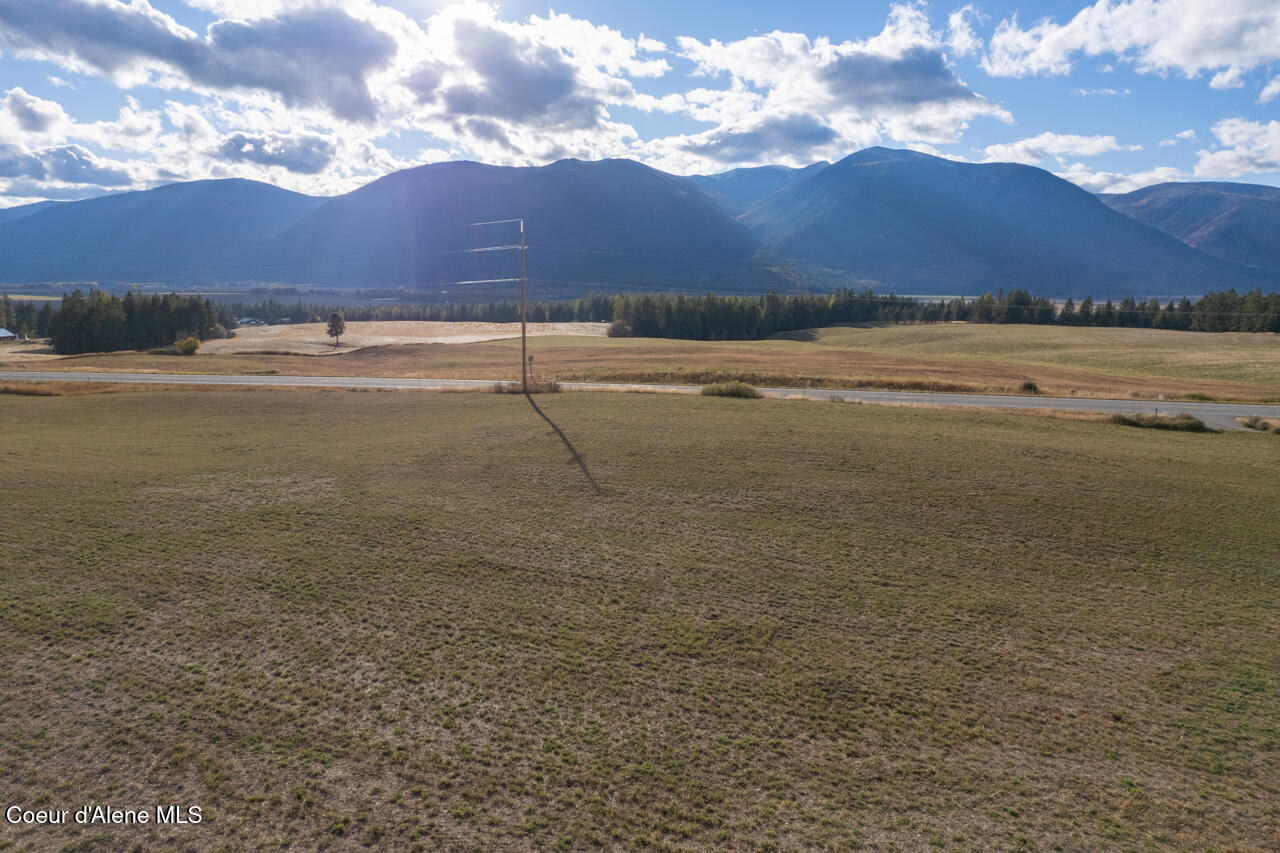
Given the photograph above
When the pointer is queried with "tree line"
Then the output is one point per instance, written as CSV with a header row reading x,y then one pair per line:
x,y
756,317
21,317
594,308
101,322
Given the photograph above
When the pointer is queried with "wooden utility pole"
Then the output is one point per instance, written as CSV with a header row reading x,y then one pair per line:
x,y
524,361
524,335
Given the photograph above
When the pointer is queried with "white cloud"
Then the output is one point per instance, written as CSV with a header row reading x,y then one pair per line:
x,y
961,38
1180,136
1228,78
1036,149
795,99
1117,182
1118,93
1248,147
1190,36
1269,91
309,56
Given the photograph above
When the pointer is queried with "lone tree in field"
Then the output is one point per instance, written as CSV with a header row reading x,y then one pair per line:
x,y
337,326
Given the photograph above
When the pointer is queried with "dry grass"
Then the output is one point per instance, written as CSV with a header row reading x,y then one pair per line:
x,y
398,621
1179,423
313,338
1261,424
71,389
531,386
978,359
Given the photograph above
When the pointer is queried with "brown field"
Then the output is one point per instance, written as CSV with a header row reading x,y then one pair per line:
x,y
996,359
395,621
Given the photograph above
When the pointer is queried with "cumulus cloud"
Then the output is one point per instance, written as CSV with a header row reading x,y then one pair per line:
x,y
516,84
1180,136
772,137
305,155
1190,36
308,57
1118,182
961,38
1248,147
16,162
1036,149
68,164
72,164
1269,91
830,96
33,115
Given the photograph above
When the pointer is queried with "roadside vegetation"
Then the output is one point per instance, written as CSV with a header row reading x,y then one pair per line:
x,y
429,621
731,389
1261,424
1180,423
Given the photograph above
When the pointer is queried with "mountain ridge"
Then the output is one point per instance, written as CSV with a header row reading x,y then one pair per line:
x,y
888,218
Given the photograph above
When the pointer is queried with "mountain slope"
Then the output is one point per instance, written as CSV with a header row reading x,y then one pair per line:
x,y
913,222
1236,222
197,231
9,214
611,222
739,189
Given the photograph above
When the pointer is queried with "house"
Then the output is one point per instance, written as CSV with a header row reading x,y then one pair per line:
x,y
6,336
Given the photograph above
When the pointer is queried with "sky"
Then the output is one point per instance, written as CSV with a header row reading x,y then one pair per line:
x,y
322,96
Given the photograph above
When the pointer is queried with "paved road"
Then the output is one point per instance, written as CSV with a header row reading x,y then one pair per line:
x,y
1217,415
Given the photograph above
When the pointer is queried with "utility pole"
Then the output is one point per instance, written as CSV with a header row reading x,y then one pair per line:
x,y
524,346
524,361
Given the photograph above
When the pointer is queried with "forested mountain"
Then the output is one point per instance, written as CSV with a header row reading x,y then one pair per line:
x,y
1236,222
604,223
9,214
893,220
909,221
739,189
179,233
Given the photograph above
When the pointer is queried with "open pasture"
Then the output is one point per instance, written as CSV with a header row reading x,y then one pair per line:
x,y
399,620
1101,362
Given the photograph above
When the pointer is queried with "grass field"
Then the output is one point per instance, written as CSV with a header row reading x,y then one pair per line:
x,y
951,357
398,620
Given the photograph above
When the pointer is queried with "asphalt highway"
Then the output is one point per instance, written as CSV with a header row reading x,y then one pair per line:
x,y
1215,415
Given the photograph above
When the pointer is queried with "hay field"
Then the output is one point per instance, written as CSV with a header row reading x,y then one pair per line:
x,y
410,621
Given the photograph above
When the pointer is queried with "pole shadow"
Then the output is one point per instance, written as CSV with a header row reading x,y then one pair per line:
x,y
573,451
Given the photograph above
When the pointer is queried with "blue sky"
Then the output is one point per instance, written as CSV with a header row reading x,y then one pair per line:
x,y
321,96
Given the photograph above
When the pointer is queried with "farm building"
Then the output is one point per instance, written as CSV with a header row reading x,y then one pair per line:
x,y
6,335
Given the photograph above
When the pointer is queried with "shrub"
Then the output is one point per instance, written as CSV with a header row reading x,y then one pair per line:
x,y
1258,423
1029,387
618,330
1183,423
731,389
187,346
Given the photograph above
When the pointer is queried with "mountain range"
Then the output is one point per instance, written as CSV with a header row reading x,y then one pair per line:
x,y
1235,222
889,219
